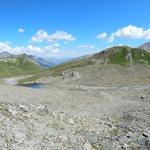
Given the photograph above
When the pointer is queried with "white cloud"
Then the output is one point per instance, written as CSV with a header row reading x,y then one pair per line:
x,y
54,53
86,46
102,36
130,32
34,49
21,30
4,46
50,50
42,36
56,44
61,35
111,38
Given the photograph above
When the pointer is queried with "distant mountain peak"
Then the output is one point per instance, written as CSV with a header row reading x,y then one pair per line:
x,y
5,54
145,46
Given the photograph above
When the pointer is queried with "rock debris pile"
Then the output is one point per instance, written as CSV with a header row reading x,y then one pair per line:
x,y
32,127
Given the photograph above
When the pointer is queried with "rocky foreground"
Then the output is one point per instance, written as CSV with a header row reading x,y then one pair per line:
x,y
68,115
25,126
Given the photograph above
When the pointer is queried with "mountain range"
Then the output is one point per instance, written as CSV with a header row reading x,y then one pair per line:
x,y
11,65
5,54
42,62
145,46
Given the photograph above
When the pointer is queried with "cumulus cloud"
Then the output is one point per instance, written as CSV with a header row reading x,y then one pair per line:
x,y
54,53
42,36
50,50
61,35
4,46
86,46
102,36
21,30
130,32
34,49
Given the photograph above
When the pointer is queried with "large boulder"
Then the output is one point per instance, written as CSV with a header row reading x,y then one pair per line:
x,y
71,75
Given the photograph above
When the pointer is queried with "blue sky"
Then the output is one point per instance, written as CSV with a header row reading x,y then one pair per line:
x,y
70,28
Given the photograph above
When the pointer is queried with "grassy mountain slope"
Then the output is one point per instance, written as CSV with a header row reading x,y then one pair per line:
x,y
17,65
120,55
56,71
123,55
145,46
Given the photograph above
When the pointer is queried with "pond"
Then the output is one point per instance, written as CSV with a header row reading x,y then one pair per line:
x,y
33,85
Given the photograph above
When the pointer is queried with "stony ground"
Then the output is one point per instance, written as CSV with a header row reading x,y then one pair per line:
x,y
29,127
68,116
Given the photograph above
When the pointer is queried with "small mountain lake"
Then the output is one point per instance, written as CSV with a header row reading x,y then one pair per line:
x,y
33,85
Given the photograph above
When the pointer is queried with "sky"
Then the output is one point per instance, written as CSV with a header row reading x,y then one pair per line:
x,y
72,28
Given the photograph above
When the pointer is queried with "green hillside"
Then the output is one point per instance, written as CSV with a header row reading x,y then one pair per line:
x,y
120,55
18,65
123,55
56,71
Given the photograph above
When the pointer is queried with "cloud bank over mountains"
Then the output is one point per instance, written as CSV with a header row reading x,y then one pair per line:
x,y
46,51
57,44
50,49
128,32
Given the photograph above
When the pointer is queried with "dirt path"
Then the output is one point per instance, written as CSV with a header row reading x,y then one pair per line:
x,y
13,80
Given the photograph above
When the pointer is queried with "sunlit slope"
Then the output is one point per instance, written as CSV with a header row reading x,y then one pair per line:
x,y
18,65
120,55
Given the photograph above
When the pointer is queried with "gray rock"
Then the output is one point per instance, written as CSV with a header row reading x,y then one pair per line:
x,y
63,138
43,109
71,121
143,97
91,137
145,135
87,146
24,108
11,110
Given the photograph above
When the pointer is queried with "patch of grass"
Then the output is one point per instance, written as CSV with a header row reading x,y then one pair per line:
x,y
119,57
114,132
56,71
122,55
141,56
17,66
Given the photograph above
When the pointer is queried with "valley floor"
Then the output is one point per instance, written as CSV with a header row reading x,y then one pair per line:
x,y
68,115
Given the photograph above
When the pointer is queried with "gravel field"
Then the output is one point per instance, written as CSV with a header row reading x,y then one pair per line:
x,y
67,116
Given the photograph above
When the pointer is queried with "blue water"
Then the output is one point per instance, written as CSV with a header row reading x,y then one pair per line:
x,y
34,85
